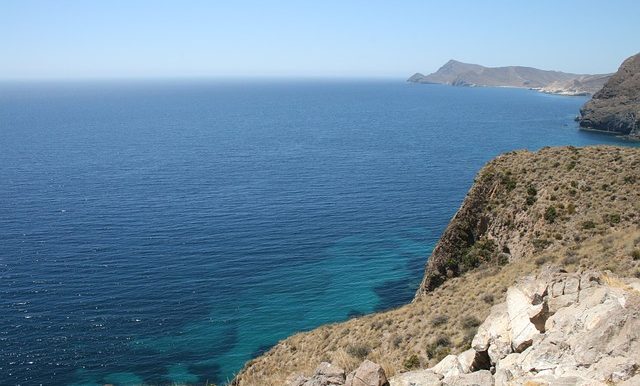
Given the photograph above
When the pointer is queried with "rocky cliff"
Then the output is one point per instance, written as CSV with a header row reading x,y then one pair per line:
x,y
616,107
457,73
576,208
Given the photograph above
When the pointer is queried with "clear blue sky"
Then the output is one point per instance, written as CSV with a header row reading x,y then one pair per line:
x,y
326,38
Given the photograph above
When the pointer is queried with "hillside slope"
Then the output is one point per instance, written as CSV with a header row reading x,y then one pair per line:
x,y
575,207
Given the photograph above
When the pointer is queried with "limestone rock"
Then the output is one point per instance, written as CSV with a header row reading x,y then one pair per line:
x,y
554,329
480,378
519,309
494,328
417,378
334,375
449,366
367,374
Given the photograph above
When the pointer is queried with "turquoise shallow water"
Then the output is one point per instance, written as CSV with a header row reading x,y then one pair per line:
x,y
169,231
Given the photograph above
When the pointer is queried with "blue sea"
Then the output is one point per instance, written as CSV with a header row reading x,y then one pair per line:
x,y
168,231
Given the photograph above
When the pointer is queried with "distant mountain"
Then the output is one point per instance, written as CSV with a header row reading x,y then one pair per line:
x,y
616,107
554,82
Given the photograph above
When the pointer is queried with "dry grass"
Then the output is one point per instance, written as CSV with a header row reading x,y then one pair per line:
x,y
599,185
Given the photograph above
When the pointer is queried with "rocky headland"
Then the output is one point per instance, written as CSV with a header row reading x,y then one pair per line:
x,y
533,282
457,73
616,107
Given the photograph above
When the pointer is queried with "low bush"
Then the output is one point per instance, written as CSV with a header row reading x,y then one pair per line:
x,y
411,362
439,320
359,351
550,214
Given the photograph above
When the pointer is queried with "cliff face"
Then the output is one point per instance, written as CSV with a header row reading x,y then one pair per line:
x,y
577,208
616,108
456,73
522,203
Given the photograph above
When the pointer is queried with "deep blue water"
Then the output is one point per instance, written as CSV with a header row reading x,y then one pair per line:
x,y
167,232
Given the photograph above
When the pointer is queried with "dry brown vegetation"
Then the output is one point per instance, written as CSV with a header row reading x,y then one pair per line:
x,y
594,224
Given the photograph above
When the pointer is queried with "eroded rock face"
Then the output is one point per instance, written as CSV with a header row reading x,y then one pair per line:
x,y
616,107
554,329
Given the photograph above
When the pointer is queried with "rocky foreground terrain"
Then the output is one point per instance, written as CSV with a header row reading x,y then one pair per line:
x,y
616,108
577,209
554,329
457,73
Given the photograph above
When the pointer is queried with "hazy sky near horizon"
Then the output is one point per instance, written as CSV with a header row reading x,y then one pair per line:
x,y
304,38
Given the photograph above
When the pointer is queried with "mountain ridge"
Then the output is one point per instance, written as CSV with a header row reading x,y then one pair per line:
x,y
457,73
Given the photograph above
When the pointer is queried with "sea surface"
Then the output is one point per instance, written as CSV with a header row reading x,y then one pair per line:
x,y
168,231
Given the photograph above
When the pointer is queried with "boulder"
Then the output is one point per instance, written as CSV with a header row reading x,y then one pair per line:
x,y
466,360
417,378
449,366
478,378
333,374
367,374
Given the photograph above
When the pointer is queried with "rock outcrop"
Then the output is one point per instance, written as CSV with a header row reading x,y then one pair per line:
x,y
555,329
616,107
457,73
327,374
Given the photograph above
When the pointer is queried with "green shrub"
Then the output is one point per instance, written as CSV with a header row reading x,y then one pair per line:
x,y
541,260
439,320
487,298
613,218
439,348
508,181
470,322
635,254
540,244
532,191
359,351
412,362
443,341
571,165
589,224
550,214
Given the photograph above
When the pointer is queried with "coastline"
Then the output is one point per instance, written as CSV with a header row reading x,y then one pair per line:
x,y
514,235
